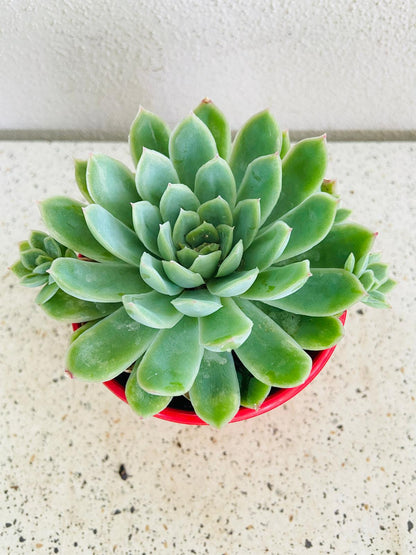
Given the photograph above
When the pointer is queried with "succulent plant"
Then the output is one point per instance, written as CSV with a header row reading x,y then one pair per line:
x,y
210,271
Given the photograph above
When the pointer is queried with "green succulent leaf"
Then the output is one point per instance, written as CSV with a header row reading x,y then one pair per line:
x,y
42,259
186,256
225,238
148,131
28,258
52,247
81,178
380,271
172,361
109,347
111,184
349,263
83,328
303,170
310,223
206,264
310,332
262,180
154,173
175,198
329,186
34,280
143,403
66,223
185,222
152,272
46,293
191,145
267,246
361,265
342,240
270,354
367,279
341,215
216,212
183,277
203,234
165,243
214,179
70,309
276,283
24,246
19,270
258,137
252,391
36,239
42,268
376,299
387,286
103,282
215,393
327,292
232,260
152,309
113,235
147,221
197,303
234,284
225,329
285,144
247,221
216,122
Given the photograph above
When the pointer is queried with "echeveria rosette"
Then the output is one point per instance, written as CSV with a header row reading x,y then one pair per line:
x,y
215,267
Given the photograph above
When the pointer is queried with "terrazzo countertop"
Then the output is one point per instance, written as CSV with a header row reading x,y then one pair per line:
x,y
332,471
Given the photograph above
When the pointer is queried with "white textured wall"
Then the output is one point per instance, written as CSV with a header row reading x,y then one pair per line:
x,y
84,66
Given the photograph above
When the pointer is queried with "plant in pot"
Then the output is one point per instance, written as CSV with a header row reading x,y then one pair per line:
x,y
210,277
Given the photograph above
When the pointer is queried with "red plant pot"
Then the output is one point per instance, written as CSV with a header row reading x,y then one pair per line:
x,y
276,398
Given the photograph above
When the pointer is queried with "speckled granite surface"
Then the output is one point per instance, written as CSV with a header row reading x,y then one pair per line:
x,y
333,471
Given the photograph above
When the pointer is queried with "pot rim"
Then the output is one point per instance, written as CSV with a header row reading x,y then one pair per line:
x,y
274,400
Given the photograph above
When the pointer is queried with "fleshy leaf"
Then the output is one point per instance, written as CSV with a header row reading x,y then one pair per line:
x,y
191,145
285,144
206,264
111,184
214,179
81,178
42,268
258,137
147,221
267,246
152,309
327,292
175,198
37,239
204,233
225,329
226,235
66,223
252,391
215,393
19,270
343,239
149,131
216,211
171,363
185,222
310,223
154,172
29,257
276,283
143,403
103,282
108,348
270,354
165,244
312,333
197,303
180,275
52,247
380,271
349,263
46,293
262,180
329,186
376,299
65,307
232,261
367,279
113,235
152,272
247,221
34,280
341,215
387,286
303,170
186,256
233,284
24,246
216,122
